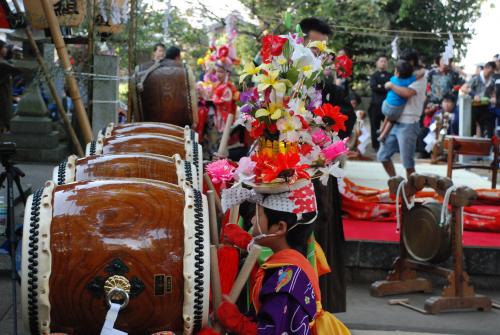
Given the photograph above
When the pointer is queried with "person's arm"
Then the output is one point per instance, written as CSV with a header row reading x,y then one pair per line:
x,y
403,92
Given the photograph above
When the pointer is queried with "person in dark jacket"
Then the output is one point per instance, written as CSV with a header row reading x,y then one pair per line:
x,y
377,82
328,228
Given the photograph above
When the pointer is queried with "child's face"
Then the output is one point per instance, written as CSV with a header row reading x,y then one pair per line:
x,y
260,225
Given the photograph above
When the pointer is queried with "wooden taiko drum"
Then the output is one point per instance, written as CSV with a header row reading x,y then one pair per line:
x,y
169,94
148,127
172,170
86,241
165,145
424,237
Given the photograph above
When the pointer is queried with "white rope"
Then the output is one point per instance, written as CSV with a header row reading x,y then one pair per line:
x,y
445,214
408,204
97,76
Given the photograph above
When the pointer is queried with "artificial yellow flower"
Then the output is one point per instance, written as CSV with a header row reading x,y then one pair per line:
x,y
307,70
275,111
249,70
271,80
320,45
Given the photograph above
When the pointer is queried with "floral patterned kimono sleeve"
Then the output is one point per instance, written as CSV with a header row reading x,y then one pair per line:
x,y
287,302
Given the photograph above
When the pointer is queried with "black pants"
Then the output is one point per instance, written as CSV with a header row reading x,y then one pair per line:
x,y
329,233
486,120
376,118
421,144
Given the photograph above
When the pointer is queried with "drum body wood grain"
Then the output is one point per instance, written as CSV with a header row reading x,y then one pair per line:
x,y
424,237
167,94
172,170
158,144
77,236
147,127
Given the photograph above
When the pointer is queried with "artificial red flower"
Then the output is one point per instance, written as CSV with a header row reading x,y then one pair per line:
x,y
305,124
223,52
284,166
344,66
332,116
272,45
305,149
257,129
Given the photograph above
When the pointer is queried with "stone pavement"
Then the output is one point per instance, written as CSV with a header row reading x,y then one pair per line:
x,y
366,316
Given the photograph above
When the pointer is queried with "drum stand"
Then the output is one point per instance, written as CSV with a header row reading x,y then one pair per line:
x,y
12,174
458,293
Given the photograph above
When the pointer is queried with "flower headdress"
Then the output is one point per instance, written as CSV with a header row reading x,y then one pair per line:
x,y
296,134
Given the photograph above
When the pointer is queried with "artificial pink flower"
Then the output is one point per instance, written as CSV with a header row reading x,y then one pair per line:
x,y
319,137
245,170
220,171
333,151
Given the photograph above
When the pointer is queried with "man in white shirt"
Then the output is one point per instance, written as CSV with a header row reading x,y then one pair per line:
x,y
403,135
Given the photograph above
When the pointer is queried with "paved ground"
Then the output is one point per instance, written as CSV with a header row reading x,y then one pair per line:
x,y
366,315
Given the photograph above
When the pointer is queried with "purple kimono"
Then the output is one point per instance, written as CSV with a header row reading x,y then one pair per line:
x,y
287,302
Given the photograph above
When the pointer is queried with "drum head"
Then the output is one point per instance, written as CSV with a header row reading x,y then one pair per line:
x,y
421,233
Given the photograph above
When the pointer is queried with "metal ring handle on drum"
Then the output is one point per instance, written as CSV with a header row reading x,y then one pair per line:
x,y
114,291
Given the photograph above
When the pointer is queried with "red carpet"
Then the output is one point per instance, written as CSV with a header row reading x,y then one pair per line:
x,y
386,232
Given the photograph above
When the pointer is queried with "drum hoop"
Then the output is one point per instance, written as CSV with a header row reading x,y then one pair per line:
x,y
194,154
37,260
65,172
94,147
196,261
184,171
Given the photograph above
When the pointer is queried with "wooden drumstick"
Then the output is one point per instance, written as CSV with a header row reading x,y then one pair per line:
x,y
242,278
222,152
214,227
233,214
215,283
211,187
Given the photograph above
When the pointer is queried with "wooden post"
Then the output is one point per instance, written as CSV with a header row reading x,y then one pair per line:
x,y
55,31
132,110
91,4
52,86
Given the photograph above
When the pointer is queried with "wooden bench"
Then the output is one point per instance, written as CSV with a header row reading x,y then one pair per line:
x,y
474,147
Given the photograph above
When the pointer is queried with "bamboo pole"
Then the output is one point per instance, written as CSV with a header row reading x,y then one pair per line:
x,y
52,86
212,211
215,282
90,52
234,213
55,31
132,108
242,278
222,152
211,187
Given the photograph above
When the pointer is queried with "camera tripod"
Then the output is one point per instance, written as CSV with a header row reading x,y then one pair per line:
x,y
13,175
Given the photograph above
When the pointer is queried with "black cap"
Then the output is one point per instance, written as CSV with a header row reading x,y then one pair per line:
x,y
312,23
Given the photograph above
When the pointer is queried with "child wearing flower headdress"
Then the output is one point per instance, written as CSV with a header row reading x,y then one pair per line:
x,y
286,296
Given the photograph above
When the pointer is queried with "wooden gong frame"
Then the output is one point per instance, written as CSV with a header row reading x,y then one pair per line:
x,y
459,293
